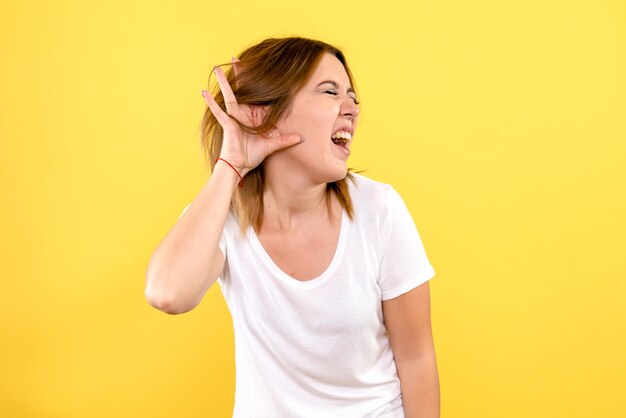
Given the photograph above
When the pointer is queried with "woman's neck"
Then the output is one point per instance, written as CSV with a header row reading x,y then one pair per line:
x,y
288,205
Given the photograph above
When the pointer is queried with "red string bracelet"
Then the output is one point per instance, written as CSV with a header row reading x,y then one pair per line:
x,y
241,182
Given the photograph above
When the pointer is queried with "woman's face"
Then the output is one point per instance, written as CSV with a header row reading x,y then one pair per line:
x,y
324,106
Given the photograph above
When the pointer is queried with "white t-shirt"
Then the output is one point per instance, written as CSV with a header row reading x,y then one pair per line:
x,y
319,348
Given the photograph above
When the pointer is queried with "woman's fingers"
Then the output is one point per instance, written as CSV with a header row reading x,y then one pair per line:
x,y
233,109
229,97
235,69
282,141
217,111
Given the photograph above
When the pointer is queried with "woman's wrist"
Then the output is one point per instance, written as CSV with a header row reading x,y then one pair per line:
x,y
223,171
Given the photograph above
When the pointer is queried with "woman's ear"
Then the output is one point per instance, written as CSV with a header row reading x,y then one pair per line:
x,y
258,114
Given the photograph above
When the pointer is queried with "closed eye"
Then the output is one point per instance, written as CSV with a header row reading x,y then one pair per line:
x,y
334,94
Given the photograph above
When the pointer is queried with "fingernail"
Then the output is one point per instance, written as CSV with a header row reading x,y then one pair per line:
x,y
202,93
301,138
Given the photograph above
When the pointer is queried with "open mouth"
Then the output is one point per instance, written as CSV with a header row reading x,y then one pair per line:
x,y
340,142
341,139
342,146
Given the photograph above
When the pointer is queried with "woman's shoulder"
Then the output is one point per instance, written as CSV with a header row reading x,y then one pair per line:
x,y
363,185
368,194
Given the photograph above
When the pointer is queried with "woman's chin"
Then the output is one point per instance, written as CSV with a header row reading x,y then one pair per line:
x,y
339,175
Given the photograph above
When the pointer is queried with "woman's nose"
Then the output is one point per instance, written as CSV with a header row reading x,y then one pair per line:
x,y
350,109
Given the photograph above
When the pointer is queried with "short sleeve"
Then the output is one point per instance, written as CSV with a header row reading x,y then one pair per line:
x,y
222,242
404,264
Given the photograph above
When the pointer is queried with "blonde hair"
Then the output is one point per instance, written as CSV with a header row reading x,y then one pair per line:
x,y
270,73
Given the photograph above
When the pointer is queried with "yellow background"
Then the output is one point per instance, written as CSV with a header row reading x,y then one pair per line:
x,y
500,123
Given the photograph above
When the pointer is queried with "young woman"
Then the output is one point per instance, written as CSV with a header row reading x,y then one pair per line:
x,y
323,270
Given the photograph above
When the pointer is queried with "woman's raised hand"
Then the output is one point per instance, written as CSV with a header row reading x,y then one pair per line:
x,y
243,150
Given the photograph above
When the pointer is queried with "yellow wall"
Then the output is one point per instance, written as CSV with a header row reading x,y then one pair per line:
x,y
500,123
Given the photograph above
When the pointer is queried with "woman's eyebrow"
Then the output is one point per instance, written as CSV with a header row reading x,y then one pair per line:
x,y
350,89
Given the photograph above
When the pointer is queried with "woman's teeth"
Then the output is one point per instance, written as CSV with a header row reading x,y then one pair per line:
x,y
342,134
341,137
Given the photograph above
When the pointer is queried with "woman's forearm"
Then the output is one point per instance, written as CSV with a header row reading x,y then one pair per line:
x,y
181,267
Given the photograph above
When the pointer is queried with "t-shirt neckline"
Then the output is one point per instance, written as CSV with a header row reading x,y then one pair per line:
x,y
284,277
